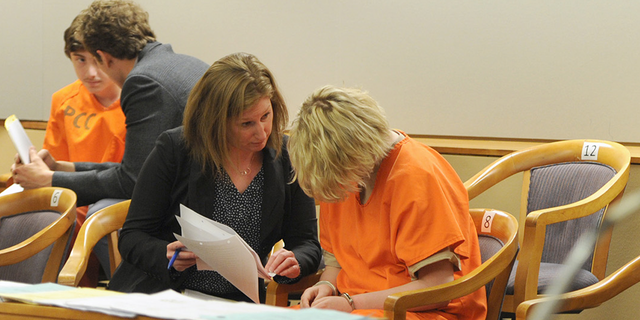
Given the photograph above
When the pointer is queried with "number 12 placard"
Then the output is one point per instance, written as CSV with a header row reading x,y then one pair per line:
x,y
590,151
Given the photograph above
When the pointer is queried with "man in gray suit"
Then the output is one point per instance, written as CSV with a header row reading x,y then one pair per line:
x,y
155,83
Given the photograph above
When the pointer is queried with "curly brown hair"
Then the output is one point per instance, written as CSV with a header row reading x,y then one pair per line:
x,y
120,28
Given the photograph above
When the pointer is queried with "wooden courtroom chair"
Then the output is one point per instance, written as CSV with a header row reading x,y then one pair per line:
x,y
278,294
498,246
105,222
567,188
35,226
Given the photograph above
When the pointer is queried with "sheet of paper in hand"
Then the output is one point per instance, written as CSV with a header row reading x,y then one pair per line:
x,y
221,249
18,137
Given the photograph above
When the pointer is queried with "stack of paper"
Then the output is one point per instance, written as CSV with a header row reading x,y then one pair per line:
x,y
52,294
163,305
220,248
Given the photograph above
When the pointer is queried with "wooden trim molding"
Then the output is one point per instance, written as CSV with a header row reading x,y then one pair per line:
x,y
496,147
30,124
457,145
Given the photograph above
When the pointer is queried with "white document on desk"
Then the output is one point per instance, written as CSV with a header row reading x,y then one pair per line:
x,y
221,249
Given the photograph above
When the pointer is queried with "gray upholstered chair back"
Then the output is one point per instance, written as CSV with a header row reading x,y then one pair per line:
x,y
489,246
560,184
17,228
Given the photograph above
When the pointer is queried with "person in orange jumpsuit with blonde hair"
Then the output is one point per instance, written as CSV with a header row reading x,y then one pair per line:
x,y
394,215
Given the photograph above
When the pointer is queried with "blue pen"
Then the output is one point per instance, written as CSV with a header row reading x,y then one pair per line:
x,y
173,259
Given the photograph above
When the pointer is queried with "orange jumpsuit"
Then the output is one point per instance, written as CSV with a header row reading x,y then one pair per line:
x,y
417,208
80,129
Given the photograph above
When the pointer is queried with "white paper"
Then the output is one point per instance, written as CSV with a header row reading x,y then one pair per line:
x,y
14,188
18,137
5,286
167,304
219,248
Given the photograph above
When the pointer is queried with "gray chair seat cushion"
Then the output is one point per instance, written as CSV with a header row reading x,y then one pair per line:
x,y
17,228
489,246
548,272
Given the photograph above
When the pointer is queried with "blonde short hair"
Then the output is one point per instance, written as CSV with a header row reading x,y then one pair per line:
x,y
337,139
231,85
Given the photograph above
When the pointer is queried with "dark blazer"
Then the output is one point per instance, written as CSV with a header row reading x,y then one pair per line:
x,y
170,177
153,99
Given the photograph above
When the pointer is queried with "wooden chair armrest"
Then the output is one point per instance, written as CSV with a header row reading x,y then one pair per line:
x,y
57,233
6,179
591,296
29,201
114,254
571,211
561,151
105,222
76,264
397,304
278,293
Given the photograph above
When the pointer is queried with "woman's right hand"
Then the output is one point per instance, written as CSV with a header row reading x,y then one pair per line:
x,y
184,260
314,293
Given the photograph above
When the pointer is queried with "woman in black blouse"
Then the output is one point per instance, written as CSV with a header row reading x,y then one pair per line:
x,y
229,162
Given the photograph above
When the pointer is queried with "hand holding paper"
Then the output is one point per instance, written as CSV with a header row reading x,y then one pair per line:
x,y
283,262
35,168
219,248
33,175
18,137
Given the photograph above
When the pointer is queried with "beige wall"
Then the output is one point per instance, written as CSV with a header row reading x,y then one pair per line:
x,y
504,196
499,68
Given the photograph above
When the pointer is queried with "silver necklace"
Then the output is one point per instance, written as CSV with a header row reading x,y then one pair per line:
x,y
247,170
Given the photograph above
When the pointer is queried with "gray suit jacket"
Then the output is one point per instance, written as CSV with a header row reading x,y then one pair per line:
x,y
153,99
170,177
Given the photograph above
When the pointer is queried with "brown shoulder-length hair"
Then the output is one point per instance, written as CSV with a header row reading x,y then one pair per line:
x,y
232,85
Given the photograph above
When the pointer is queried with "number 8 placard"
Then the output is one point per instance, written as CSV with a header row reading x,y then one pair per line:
x,y
487,221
